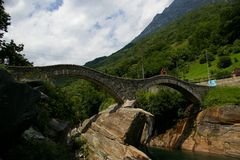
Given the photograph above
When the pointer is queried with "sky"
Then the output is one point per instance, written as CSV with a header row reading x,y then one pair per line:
x,y
77,31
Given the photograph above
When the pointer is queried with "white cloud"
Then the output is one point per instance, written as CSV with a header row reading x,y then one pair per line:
x,y
77,31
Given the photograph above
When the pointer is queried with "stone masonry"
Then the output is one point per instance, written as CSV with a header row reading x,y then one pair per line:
x,y
120,88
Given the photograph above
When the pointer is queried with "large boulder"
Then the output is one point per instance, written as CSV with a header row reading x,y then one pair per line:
x,y
116,135
17,108
58,130
216,130
32,134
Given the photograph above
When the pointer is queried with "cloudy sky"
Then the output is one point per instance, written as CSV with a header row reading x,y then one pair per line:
x,y
77,31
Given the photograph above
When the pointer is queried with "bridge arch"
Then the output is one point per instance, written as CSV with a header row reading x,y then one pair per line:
x,y
120,88
101,85
191,91
102,80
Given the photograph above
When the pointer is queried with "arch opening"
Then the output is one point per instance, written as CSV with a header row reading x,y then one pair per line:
x,y
88,98
166,104
103,86
183,87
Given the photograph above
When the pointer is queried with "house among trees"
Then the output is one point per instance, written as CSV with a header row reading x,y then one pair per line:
x,y
236,72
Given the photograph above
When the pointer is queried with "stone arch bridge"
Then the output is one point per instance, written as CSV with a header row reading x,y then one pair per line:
x,y
120,88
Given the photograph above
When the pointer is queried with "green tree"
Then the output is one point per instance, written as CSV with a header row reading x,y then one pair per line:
x,y
224,62
86,98
230,21
57,105
4,20
10,50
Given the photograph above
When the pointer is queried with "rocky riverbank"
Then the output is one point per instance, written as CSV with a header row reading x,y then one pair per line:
x,y
216,130
117,134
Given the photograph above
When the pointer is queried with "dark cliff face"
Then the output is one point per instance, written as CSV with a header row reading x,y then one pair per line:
x,y
177,9
17,109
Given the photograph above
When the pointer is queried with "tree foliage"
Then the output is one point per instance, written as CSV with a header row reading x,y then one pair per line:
x,y
224,62
166,105
4,19
10,50
73,100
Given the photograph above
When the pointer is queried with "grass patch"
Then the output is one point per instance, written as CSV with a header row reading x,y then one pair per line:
x,y
199,71
222,95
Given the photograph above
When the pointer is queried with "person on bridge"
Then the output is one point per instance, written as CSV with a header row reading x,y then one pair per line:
x,y
163,71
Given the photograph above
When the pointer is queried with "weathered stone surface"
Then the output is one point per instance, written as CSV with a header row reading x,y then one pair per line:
x,y
225,115
148,130
58,130
113,135
174,137
129,103
31,133
17,108
217,130
171,137
106,148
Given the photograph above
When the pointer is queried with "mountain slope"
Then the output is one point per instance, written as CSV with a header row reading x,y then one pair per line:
x,y
181,46
177,9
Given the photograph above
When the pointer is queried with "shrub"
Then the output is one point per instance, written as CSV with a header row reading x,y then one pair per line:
x,y
224,62
235,60
80,144
222,95
222,74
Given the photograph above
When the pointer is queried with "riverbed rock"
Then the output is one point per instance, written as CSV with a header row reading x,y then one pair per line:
x,y
174,137
32,134
171,137
216,130
17,108
58,130
116,135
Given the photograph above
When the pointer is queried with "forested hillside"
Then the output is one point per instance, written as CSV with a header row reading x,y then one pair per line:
x,y
177,9
181,47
